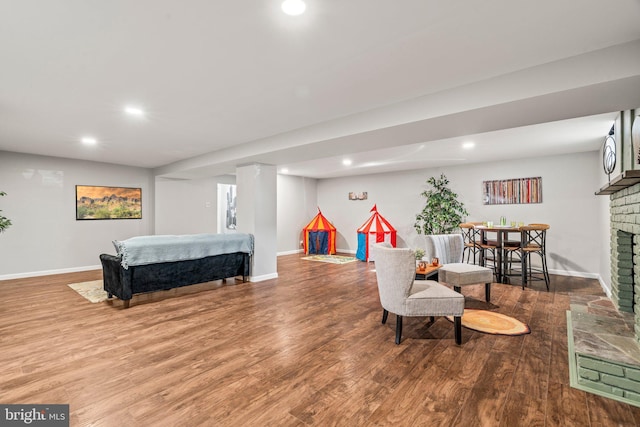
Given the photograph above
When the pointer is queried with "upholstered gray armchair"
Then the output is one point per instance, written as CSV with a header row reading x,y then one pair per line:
x,y
449,249
401,294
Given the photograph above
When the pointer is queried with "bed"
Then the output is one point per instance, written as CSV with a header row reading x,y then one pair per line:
x,y
151,263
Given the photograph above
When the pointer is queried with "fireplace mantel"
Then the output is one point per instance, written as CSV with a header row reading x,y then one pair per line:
x,y
626,179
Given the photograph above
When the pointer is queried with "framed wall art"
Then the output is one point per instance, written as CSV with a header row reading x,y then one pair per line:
x,y
97,202
512,191
227,202
358,196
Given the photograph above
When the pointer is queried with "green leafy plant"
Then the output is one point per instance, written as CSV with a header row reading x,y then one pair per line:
x,y
4,221
419,253
443,212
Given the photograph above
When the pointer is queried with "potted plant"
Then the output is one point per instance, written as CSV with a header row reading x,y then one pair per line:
x,y
443,212
4,222
421,266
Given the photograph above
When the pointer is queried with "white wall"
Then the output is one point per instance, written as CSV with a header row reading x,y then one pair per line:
x,y
188,206
575,240
45,236
257,212
297,205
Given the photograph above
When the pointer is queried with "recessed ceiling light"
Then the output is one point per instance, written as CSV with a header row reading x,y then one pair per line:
x,y
89,140
284,170
134,111
293,7
468,145
346,162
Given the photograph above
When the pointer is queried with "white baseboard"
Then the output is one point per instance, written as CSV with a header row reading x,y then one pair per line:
x,y
603,285
263,277
99,267
575,274
606,288
346,251
50,272
297,251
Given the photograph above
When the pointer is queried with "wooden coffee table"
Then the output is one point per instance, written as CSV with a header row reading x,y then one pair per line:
x,y
430,272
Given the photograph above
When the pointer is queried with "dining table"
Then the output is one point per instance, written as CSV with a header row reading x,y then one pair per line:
x,y
502,238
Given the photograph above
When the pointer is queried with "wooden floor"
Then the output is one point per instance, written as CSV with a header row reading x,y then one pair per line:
x,y
305,349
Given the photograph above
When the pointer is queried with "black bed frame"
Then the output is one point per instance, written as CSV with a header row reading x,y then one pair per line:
x,y
168,275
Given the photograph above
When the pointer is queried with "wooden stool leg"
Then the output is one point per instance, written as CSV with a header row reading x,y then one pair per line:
x,y
398,328
457,322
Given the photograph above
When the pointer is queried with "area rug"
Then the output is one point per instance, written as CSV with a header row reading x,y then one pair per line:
x,y
333,259
92,291
491,322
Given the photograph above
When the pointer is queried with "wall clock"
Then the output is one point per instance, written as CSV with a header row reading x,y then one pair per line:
x,y
609,154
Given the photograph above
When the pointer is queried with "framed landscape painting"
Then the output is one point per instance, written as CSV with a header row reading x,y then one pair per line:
x,y
95,202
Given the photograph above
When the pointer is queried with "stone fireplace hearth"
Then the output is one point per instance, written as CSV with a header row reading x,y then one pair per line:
x,y
604,355
604,343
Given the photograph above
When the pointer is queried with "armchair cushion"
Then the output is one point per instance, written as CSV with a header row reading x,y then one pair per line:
x,y
461,274
433,298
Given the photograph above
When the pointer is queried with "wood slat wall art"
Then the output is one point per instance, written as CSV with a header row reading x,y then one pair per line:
x,y
512,191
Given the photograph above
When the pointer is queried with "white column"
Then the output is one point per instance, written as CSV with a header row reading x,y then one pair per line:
x,y
256,213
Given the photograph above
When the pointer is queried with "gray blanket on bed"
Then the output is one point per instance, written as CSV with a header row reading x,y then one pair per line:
x,y
144,250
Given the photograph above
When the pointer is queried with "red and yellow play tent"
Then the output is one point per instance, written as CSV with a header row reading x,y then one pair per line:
x,y
375,230
319,236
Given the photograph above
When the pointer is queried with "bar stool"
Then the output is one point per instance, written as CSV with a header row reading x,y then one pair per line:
x,y
533,242
489,248
513,253
471,237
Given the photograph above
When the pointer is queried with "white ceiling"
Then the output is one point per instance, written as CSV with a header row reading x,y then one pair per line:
x,y
391,85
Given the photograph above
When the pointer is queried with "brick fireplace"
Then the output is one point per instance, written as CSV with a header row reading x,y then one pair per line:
x,y
625,251
604,343
622,269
